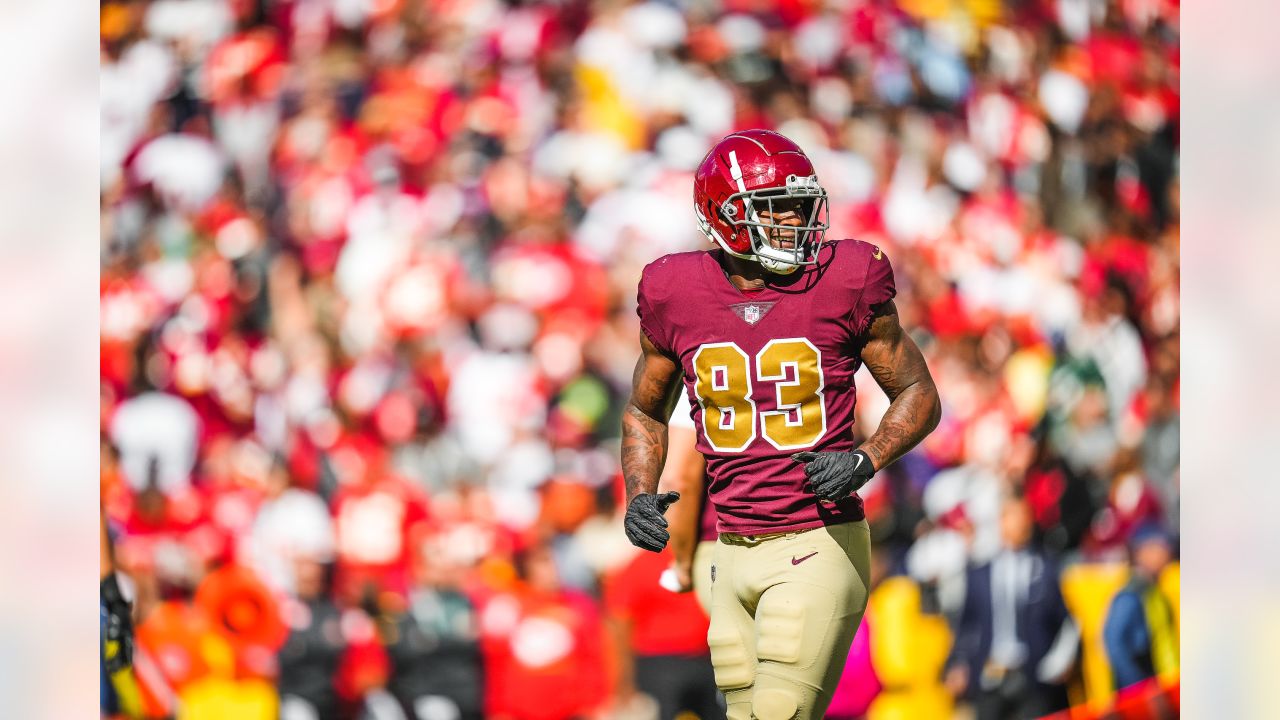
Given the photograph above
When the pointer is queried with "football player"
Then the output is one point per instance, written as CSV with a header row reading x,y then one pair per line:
x,y
766,331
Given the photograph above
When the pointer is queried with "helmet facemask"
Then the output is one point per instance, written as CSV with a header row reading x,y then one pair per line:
x,y
803,197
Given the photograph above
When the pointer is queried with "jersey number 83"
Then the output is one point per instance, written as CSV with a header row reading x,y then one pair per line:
x,y
723,385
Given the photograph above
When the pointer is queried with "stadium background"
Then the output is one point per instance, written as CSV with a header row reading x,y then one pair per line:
x,y
367,312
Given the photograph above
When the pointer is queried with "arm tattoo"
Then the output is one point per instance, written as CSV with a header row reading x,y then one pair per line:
x,y
899,368
644,450
644,421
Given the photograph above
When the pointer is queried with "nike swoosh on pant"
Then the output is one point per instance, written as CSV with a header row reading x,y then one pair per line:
x,y
794,561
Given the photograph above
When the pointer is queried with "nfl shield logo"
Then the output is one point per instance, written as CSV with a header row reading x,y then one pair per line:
x,y
752,312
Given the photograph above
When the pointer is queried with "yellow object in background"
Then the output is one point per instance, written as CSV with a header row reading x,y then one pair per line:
x,y
218,655
908,650
980,13
933,702
926,9
1171,585
128,697
1087,591
1163,625
606,111
214,698
1026,378
983,12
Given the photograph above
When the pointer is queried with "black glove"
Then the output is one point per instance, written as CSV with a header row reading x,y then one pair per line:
x,y
835,475
645,526
117,639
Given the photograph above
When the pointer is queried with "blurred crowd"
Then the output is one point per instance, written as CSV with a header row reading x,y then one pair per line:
x,y
368,309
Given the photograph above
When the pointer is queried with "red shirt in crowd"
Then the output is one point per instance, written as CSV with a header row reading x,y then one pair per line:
x,y
544,655
375,525
662,622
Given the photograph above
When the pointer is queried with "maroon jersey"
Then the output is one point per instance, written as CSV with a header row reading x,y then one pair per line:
x,y
706,518
769,373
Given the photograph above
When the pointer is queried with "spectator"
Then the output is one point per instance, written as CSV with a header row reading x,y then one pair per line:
x,y
291,523
378,519
1140,634
1160,446
664,639
542,641
1015,644
434,645
161,427
311,654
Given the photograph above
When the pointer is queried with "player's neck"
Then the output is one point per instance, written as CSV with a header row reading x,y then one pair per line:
x,y
744,274
750,275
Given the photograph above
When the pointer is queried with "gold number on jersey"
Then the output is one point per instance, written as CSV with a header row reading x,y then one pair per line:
x,y
723,387
795,366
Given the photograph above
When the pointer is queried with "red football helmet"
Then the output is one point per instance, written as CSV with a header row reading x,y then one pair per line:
x,y
753,172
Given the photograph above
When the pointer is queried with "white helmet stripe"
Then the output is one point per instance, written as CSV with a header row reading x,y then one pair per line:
x,y
735,170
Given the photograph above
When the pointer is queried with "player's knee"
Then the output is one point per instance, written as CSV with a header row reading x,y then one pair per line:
x,y
775,704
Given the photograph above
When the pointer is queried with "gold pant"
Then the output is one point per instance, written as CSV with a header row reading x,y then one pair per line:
x,y
784,609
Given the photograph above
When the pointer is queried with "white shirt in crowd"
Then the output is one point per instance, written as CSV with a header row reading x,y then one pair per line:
x,y
161,426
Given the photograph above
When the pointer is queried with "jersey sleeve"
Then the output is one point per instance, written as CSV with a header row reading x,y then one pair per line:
x,y
649,296
877,287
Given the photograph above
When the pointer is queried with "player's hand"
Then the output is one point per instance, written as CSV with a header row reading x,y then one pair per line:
x,y
835,475
117,640
645,526
684,577
678,578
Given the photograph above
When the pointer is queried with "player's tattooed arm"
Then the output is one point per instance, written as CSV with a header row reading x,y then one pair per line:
x,y
644,420
899,367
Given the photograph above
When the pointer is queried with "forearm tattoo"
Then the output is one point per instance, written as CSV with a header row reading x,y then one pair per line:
x,y
899,367
644,429
644,450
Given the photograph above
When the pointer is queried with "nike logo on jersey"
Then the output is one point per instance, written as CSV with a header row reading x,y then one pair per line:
x,y
795,561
